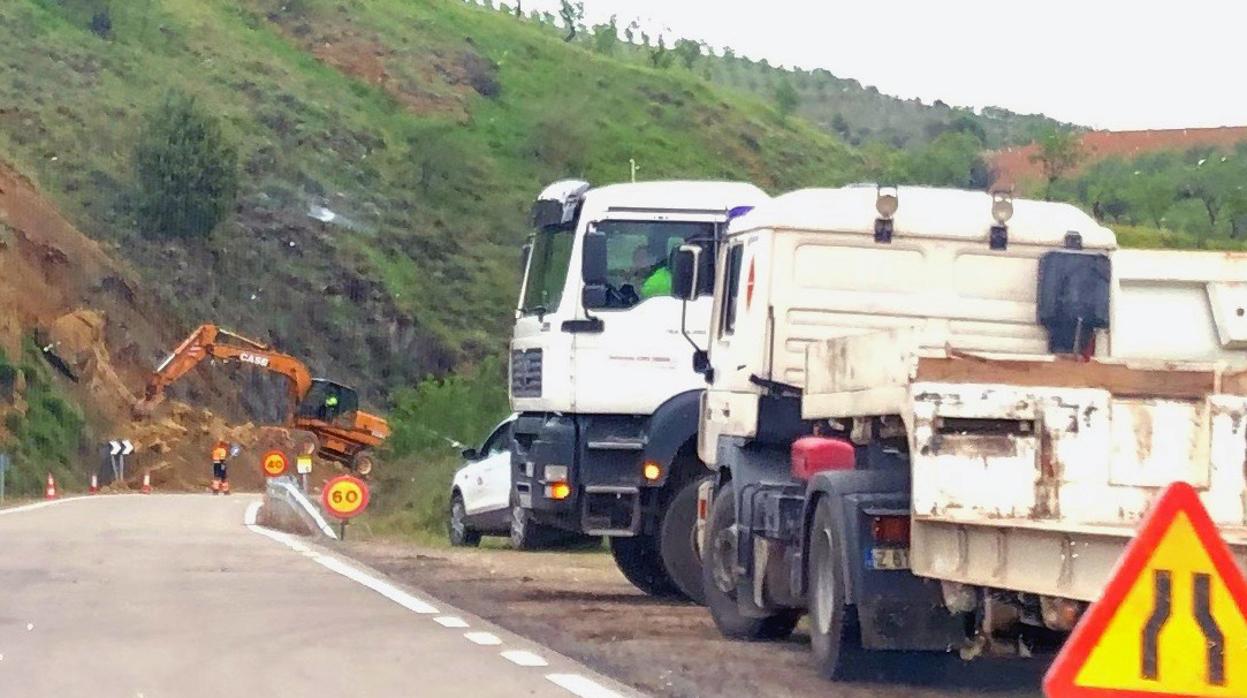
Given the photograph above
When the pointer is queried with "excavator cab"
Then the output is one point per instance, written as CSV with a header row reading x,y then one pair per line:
x,y
329,402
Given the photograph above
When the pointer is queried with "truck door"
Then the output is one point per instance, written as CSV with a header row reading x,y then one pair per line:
x,y
738,342
639,359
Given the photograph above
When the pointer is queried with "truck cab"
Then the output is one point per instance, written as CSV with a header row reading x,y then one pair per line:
x,y
600,372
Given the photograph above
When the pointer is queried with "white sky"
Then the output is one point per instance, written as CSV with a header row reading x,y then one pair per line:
x,y
1104,63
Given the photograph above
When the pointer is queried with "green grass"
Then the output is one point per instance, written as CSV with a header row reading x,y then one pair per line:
x,y
435,176
48,437
1145,237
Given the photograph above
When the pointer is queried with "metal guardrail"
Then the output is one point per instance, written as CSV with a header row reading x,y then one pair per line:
x,y
285,489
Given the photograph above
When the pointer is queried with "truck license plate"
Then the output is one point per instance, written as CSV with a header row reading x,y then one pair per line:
x,y
889,558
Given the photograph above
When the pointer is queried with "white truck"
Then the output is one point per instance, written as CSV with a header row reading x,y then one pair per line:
x,y
937,417
600,376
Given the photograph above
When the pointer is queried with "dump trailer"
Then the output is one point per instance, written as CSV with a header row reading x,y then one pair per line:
x,y
600,377
327,413
937,417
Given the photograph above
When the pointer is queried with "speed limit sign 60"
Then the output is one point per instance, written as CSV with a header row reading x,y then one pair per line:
x,y
345,497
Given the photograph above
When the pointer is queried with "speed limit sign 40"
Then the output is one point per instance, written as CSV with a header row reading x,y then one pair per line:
x,y
345,497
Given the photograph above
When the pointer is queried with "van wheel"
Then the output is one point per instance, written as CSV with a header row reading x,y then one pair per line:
x,y
833,639
640,561
719,579
678,544
461,536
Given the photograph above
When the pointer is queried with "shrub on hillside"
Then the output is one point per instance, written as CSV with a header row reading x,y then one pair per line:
x,y
186,170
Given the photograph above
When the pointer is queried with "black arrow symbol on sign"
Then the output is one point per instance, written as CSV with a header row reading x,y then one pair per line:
x,y
1201,609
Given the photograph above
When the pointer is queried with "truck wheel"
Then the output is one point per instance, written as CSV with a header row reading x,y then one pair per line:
x,y
525,534
678,543
719,579
361,463
461,536
640,561
832,637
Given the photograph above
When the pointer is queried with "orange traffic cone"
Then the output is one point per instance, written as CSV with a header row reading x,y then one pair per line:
x,y
50,492
95,484
147,483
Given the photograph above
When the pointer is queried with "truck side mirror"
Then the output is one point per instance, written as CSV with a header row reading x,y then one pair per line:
x,y
701,364
470,454
525,252
593,269
685,269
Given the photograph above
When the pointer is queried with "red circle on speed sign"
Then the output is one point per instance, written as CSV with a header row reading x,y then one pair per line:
x,y
345,497
274,464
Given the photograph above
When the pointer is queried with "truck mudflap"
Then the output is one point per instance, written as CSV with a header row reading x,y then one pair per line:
x,y
895,609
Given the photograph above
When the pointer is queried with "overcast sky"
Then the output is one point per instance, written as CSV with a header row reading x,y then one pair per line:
x,y
1103,63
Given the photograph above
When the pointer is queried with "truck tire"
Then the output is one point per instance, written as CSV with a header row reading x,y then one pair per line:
x,y
833,638
719,580
525,533
640,561
457,529
678,541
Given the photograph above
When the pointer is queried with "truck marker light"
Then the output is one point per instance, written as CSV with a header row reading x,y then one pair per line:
x,y
554,473
558,490
891,530
652,471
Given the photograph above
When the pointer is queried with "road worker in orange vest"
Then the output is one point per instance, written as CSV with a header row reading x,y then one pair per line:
x,y
220,477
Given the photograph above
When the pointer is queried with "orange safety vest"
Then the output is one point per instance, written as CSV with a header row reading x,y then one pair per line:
x,y
219,454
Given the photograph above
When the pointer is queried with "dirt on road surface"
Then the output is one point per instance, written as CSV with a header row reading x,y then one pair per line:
x,y
579,605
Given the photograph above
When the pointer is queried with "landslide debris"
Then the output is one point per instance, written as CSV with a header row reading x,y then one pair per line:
x,y
102,334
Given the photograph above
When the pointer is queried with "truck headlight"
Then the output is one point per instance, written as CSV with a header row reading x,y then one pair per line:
x,y
554,473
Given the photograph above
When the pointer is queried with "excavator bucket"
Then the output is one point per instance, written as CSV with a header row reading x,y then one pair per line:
x,y
147,405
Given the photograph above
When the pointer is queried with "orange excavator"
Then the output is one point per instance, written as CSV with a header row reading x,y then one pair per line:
x,y
328,412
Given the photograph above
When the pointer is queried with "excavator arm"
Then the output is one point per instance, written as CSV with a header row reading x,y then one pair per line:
x,y
210,341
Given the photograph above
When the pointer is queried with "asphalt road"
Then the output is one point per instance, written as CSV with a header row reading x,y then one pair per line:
x,y
175,596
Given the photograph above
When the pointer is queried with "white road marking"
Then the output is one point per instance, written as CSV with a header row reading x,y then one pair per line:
x,y
380,586
451,622
485,639
582,686
50,502
578,685
354,574
524,658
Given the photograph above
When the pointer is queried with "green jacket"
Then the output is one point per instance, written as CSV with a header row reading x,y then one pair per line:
x,y
658,283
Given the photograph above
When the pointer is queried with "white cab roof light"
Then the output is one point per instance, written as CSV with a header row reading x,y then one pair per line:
x,y
926,212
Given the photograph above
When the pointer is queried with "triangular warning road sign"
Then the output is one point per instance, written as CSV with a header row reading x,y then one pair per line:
x,y
1172,620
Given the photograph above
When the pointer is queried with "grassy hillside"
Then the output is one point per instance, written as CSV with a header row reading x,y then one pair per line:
x,y
843,106
389,150
861,113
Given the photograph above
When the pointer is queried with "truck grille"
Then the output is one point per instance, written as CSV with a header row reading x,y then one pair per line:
x,y
526,373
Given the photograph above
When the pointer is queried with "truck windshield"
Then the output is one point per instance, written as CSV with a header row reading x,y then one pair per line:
x,y
638,253
547,270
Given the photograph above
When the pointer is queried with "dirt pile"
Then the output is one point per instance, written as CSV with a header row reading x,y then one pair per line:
x,y
102,335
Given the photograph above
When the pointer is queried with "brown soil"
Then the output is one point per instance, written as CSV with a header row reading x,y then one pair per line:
x,y
93,314
1014,165
578,604
426,84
